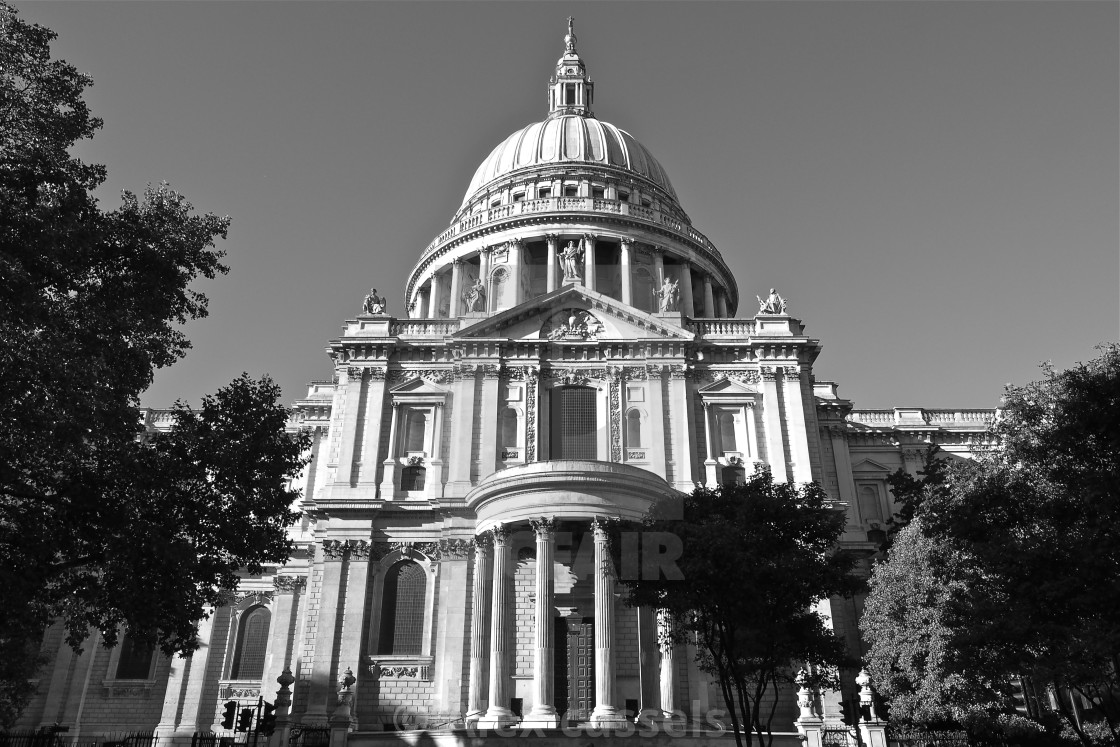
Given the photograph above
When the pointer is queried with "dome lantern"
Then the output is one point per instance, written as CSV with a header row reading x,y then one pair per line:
x,y
570,91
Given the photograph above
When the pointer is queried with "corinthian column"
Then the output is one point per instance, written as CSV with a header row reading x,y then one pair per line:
x,y
605,712
480,627
544,711
589,261
499,713
550,273
624,270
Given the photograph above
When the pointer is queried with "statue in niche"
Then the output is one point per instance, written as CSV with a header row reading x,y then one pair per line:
x,y
569,260
475,296
773,304
373,304
667,296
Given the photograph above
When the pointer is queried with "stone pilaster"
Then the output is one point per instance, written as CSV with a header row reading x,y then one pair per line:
x,y
462,433
605,712
330,555
478,684
775,445
802,467
544,709
498,712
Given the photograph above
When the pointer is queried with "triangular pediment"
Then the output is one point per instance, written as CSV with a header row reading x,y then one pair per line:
x,y
727,387
870,465
574,313
418,387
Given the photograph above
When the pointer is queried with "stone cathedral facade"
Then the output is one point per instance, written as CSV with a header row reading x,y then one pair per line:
x,y
573,351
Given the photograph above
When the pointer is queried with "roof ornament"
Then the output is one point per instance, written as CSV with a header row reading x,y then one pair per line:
x,y
570,39
772,304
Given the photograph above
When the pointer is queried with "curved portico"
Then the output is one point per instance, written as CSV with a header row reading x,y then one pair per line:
x,y
526,508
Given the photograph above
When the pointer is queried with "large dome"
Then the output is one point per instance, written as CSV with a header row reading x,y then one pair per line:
x,y
569,139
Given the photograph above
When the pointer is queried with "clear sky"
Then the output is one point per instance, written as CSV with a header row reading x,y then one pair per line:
x,y
934,186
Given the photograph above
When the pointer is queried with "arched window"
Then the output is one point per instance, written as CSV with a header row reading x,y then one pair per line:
x,y
135,660
574,423
727,431
412,477
509,428
500,288
402,610
414,430
633,428
252,641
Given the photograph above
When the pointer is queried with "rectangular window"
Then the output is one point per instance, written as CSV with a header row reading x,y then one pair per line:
x,y
570,94
597,193
623,196
570,190
574,423
135,662
544,192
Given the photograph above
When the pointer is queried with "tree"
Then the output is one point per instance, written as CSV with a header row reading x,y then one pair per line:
x,y
754,561
99,526
909,618
1036,521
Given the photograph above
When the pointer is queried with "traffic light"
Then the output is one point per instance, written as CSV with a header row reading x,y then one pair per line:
x,y
267,724
228,714
245,719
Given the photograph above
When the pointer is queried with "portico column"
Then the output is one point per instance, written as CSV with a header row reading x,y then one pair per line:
x,y
456,287
668,664
687,306
658,266
480,627
605,712
499,713
624,269
589,261
544,711
433,297
709,299
550,282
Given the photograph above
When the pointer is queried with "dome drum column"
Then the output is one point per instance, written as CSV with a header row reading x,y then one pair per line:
x,y
688,308
550,285
456,287
589,261
709,299
624,271
434,297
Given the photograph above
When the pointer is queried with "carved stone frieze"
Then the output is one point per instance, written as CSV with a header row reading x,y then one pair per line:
x,y
574,376
464,371
616,423
444,549
288,584
743,376
531,416
571,324
434,375
421,672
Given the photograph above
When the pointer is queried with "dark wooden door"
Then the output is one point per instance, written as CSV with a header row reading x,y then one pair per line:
x,y
581,670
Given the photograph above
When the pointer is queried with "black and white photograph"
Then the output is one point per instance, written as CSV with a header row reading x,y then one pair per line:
x,y
469,373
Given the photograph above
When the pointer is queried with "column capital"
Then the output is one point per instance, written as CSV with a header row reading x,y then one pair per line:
x,y
626,241
457,262
600,527
545,527
501,534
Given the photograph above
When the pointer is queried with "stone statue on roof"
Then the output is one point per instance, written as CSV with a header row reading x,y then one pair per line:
x,y
773,304
373,304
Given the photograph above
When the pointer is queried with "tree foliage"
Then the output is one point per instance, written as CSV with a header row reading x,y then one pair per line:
x,y
1034,527
97,525
755,558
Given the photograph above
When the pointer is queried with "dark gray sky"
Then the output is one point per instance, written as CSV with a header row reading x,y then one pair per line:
x,y
934,186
